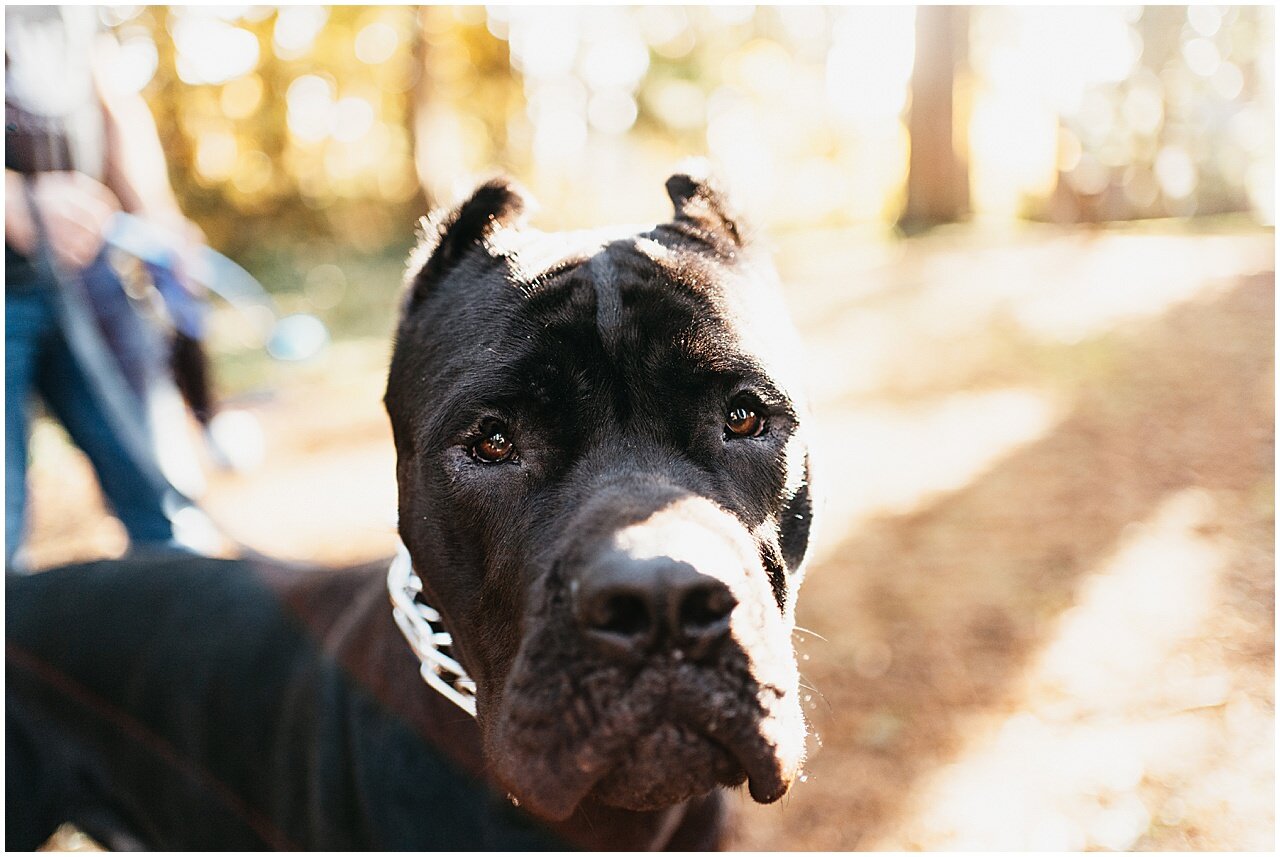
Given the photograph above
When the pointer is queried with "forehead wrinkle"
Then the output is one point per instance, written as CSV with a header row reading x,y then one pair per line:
x,y
545,280
460,408
670,263
491,383
604,280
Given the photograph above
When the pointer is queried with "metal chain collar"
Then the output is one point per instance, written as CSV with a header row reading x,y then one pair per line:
x,y
421,626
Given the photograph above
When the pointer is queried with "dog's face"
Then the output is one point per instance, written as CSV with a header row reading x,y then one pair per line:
x,y
604,485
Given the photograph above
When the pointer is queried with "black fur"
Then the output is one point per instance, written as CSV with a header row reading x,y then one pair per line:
x,y
702,206
205,704
449,236
612,376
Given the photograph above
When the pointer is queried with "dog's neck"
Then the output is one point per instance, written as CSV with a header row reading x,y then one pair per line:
x,y
423,630
348,611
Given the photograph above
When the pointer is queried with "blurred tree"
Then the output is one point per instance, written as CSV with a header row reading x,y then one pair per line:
x,y
303,129
467,97
285,124
1180,132
938,177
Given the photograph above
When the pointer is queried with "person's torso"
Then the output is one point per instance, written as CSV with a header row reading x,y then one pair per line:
x,y
53,116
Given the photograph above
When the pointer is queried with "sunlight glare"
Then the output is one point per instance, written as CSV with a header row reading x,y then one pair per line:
x,y
893,458
296,30
376,43
870,61
212,51
311,108
1109,701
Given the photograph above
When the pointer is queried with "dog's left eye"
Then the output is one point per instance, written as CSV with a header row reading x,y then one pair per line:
x,y
494,445
744,419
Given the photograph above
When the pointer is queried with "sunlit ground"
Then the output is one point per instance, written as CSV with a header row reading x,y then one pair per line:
x,y
1042,602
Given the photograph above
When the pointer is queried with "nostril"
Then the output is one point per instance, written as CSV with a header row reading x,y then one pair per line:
x,y
622,614
627,608
704,611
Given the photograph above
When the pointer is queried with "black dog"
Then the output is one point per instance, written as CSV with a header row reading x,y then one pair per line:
x,y
604,487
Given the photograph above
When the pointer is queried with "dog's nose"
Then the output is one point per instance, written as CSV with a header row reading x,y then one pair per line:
x,y
632,607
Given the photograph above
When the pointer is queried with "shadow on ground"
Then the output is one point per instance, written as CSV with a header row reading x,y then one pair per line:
x,y
931,617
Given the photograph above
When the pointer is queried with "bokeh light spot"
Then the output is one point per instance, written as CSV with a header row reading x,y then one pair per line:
x,y
296,30
376,43
241,97
212,51
353,117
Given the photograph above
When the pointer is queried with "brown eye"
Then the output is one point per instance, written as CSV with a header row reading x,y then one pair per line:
x,y
495,446
743,421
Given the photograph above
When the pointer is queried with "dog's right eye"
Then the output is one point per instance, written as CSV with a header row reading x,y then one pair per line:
x,y
494,445
745,418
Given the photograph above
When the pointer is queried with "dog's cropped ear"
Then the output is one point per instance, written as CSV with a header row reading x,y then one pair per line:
x,y
448,234
703,206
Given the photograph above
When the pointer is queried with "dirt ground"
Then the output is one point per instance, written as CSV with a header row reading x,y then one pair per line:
x,y
1040,610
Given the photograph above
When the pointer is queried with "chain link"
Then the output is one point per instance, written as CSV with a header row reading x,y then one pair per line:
x,y
419,623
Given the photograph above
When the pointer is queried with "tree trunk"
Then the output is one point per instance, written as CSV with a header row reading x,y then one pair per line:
x,y
937,178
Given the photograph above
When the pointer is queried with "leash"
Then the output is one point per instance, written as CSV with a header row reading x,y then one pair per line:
x,y
422,627
93,358
417,620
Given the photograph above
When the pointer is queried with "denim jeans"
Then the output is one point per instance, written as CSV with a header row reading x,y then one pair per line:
x,y
39,360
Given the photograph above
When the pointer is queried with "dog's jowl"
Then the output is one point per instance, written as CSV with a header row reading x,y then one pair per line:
x,y
604,489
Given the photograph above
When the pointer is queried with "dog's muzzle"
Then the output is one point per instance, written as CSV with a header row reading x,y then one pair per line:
x,y
656,665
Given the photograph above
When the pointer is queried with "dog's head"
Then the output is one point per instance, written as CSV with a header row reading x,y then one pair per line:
x,y
604,483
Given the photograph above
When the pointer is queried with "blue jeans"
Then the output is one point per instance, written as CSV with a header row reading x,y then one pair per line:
x,y
39,360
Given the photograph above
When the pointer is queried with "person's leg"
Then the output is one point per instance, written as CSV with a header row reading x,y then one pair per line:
x,y
132,488
28,317
137,348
